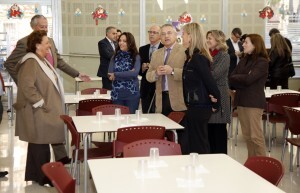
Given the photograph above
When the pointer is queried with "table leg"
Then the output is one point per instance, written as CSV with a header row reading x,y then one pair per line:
x,y
76,86
175,135
85,143
66,130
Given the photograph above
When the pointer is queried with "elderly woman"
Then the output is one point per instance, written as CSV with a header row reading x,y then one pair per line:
x,y
40,101
123,70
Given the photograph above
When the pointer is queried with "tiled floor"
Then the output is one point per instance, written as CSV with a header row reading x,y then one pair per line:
x,y
13,156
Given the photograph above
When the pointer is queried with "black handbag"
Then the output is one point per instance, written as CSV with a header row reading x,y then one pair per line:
x,y
291,68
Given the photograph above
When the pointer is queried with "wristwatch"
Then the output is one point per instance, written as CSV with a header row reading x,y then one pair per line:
x,y
172,73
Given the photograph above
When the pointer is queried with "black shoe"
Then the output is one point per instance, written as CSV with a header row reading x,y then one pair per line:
x,y
46,183
3,174
65,160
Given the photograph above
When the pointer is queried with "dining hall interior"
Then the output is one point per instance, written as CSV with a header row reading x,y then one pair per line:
x,y
76,28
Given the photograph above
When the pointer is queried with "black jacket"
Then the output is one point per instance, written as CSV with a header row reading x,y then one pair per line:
x,y
198,83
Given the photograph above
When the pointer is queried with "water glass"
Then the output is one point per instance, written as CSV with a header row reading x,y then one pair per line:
x,y
97,91
279,88
108,93
268,89
99,116
194,159
117,112
142,167
154,155
138,114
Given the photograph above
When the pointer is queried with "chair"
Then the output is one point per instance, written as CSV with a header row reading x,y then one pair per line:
x,y
92,90
141,148
233,114
176,117
127,135
268,168
59,176
85,106
104,151
293,124
275,112
109,109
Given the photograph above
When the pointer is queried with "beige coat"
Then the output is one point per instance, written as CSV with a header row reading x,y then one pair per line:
x,y
37,81
176,61
20,51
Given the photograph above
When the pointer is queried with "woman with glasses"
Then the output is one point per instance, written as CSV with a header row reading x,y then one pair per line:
x,y
217,132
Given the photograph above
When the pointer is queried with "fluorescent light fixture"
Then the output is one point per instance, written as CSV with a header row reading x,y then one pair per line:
x,y
186,1
161,4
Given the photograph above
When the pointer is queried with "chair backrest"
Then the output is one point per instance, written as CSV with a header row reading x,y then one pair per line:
x,y
92,90
293,120
59,176
277,101
85,106
141,148
268,168
109,109
176,116
75,141
127,135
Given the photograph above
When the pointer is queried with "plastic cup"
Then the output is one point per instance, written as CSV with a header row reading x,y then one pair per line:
x,y
99,116
154,155
268,89
279,88
194,159
118,112
138,114
190,174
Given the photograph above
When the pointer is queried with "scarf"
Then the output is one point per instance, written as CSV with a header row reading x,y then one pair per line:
x,y
213,52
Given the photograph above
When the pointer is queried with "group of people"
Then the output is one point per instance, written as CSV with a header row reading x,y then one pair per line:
x,y
194,77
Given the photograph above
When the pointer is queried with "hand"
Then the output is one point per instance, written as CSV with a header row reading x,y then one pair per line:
x,y
160,70
214,100
111,76
84,77
145,66
238,53
213,110
168,69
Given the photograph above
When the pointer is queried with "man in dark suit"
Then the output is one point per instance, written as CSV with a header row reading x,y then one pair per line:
x,y
106,48
275,31
39,22
235,48
147,89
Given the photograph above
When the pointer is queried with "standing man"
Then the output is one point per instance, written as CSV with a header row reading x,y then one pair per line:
x,y
235,48
106,47
147,89
39,22
165,70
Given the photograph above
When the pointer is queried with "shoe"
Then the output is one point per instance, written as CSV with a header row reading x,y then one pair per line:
x,y
46,183
3,174
65,160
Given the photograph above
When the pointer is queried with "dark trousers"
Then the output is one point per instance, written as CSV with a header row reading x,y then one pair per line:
x,y
37,155
132,103
283,82
166,105
217,135
106,83
146,102
196,130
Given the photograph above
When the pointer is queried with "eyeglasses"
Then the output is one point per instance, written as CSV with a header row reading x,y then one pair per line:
x,y
153,32
169,33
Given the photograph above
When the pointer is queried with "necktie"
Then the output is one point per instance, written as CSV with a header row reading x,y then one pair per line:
x,y
113,45
152,49
164,81
50,58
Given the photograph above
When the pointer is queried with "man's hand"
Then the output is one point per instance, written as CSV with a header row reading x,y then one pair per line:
x,y
164,70
213,99
84,77
145,66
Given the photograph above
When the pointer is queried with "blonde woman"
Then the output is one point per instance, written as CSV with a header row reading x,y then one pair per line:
x,y
217,132
199,88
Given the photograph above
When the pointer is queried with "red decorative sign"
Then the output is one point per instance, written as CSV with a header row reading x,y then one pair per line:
x,y
266,12
99,13
15,12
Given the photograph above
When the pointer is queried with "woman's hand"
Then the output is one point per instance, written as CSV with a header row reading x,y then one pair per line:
x,y
111,76
214,100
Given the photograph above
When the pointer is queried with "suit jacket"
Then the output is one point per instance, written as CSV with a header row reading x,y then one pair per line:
x,y
147,88
40,125
231,52
20,51
176,60
106,51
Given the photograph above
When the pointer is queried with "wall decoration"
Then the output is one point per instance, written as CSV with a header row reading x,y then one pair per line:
x,y
185,18
15,12
77,12
99,13
169,20
121,12
266,12
244,13
36,8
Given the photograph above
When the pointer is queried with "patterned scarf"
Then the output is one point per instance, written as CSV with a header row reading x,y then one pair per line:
x,y
123,63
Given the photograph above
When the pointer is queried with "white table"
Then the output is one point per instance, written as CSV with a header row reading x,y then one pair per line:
x,y
78,80
216,173
275,91
89,124
10,97
297,108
